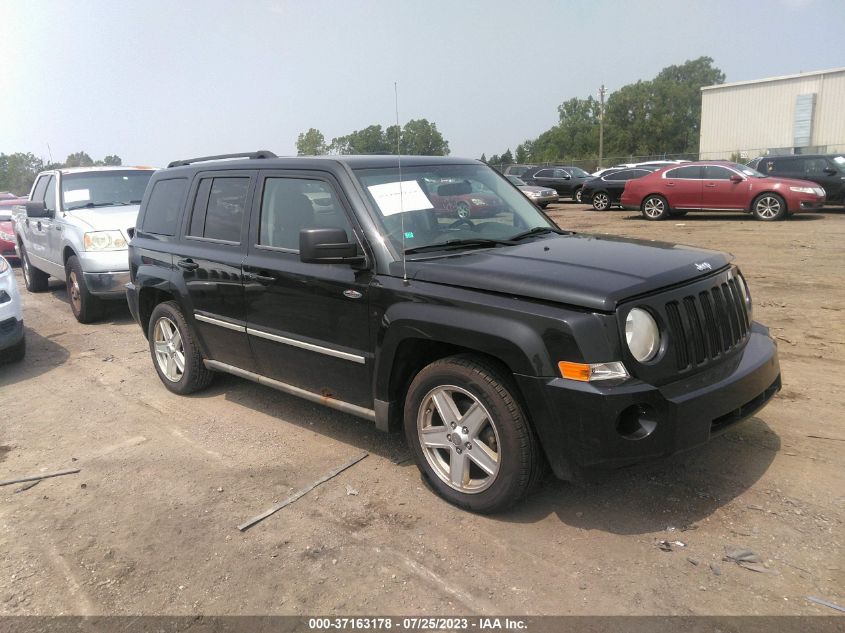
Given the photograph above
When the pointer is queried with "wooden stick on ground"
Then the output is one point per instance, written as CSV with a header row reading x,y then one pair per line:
x,y
69,471
302,492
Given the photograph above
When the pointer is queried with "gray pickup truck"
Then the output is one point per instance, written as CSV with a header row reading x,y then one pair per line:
x,y
76,227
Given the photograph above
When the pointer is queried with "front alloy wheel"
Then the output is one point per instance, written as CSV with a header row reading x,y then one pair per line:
x,y
601,201
459,439
769,207
463,210
577,195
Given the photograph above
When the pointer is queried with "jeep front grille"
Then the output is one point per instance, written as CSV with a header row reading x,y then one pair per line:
x,y
707,325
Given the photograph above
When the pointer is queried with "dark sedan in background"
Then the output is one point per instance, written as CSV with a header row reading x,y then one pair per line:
x,y
567,181
604,192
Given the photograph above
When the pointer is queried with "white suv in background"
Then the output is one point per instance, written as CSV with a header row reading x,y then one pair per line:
x,y
76,227
12,341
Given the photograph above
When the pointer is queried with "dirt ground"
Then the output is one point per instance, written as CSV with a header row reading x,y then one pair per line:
x,y
148,525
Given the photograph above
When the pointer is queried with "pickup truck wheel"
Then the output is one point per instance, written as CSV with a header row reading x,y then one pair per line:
x,y
655,208
85,306
35,280
175,354
469,434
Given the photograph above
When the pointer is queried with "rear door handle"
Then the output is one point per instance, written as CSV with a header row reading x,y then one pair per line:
x,y
187,264
670,184
710,184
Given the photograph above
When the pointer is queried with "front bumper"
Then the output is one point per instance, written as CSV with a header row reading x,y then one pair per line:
x,y
545,199
586,425
7,250
806,205
106,285
132,299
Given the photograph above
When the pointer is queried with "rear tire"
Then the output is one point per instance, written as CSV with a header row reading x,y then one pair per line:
x,y
577,195
769,207
35,280
175,353
86,307
655,208
469,435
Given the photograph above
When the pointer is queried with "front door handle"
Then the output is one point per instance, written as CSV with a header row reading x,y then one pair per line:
x,y
670,184
38,226
257,277
187,264
710,184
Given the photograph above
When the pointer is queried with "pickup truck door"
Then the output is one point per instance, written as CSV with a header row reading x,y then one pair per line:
x,y
56,223
307,323
37,230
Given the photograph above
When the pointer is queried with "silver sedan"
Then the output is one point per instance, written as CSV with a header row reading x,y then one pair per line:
x,y
541,196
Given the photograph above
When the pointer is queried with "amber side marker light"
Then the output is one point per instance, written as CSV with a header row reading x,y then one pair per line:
x,y
592,372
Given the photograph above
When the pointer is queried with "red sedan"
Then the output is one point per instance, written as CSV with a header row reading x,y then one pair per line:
x,y
7,232
719,186
459,199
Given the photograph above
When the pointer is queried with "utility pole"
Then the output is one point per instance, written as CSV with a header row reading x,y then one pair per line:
x,y
602,92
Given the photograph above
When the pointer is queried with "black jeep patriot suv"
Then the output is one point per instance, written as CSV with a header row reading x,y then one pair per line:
x,y
499,344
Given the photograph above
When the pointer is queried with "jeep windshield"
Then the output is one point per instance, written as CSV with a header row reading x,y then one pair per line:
x,y
108,188
449,206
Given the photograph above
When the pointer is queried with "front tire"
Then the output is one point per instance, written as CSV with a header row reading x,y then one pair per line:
x,y
462,209
601,201
175,353
86,307
655,208
469,434
15,353
769,207
35,280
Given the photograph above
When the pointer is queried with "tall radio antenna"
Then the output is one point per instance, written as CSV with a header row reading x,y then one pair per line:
x,y
399,163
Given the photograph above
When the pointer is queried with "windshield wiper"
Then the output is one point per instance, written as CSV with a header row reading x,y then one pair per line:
x,y
463,243
91,205
537,230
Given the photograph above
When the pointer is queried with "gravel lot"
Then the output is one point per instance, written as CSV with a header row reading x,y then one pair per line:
x,y
148,525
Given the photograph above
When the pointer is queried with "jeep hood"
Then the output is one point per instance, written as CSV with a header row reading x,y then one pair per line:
x,y
106,218
594,272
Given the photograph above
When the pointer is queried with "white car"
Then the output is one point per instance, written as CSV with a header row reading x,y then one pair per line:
x,y
649,163
12,340
76,227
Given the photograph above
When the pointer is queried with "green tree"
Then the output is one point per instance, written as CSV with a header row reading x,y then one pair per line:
x,y
483,158
113,160
311,143
506,158
18,171
523,151
79,159
422,138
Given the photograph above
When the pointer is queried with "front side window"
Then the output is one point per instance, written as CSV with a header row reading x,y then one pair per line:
x,y
50,194
436,204
40,188
107,188
714,172
544,173
219,208
163,206
289,205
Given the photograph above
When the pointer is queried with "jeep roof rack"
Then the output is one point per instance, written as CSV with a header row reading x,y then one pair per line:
x,y
262,153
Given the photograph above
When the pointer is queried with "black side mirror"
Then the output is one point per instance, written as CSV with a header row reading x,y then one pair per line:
x,y
567,177
37,210
829,171
327,246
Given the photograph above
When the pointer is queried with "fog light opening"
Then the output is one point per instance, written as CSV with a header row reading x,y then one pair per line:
x,y
636,422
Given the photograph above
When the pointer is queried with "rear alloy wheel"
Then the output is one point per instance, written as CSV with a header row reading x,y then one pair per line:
x,y
85,306
175,354
769,207
469,435
655,208
601,201
577,195
35,280
463,210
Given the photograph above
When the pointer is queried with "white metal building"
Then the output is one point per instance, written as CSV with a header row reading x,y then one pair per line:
x,y
794,114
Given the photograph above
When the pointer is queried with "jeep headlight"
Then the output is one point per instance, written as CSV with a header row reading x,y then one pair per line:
x,y
104,241
642,335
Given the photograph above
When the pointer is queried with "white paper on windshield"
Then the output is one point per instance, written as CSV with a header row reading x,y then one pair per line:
x,y
839,159
77,195
396,197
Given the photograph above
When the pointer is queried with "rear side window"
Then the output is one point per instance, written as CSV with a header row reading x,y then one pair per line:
x,y
783,166
219,209
544,173
628,174
163,206
685,173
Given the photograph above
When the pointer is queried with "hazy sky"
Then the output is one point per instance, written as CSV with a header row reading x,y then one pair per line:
x,y
154,81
